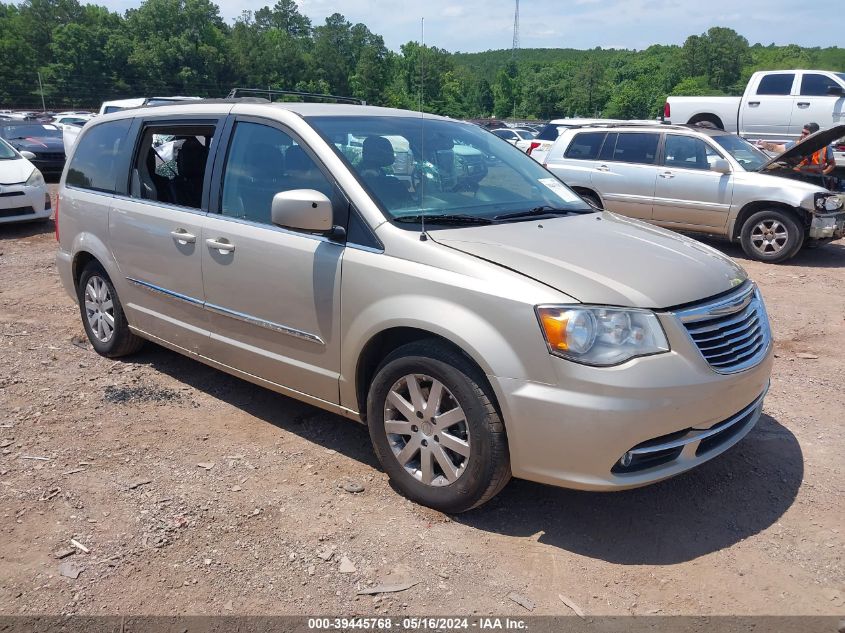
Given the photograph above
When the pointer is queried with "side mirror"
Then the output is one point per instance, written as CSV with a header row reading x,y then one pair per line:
x,y
721,166
27,155
836,90
303,210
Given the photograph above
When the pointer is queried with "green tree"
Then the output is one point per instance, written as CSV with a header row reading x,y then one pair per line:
x,y
285,17
179,46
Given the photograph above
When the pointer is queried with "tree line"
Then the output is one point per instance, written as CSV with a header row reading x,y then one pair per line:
x,y
86,54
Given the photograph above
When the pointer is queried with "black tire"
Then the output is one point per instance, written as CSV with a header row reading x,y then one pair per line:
x,y
486,469
592,200
788,236
121,341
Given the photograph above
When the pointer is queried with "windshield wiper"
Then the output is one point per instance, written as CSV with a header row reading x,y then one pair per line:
x,y
444,219
541,210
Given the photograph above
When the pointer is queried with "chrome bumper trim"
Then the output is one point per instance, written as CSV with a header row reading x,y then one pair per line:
x,y
697,436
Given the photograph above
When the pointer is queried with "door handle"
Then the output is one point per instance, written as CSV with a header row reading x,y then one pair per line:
x,y
223,247
803,104
603,168
753,104
667,174
183,237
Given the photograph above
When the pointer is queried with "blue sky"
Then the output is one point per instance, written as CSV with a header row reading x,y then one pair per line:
x,y
477,25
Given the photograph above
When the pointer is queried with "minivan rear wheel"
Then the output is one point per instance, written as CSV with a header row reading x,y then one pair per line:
x,y
771,236
102,314
435,429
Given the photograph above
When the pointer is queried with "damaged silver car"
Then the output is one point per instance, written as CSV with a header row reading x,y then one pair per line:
x,y
692,178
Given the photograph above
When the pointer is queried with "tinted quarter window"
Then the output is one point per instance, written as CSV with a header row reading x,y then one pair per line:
x,y
170,164
585,145
262,162
94,163
636,147
780,84
816,85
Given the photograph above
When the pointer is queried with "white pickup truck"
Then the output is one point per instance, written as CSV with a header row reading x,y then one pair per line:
x,y
775,106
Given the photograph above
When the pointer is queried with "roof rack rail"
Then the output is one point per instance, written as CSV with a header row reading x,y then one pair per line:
x,y
253,92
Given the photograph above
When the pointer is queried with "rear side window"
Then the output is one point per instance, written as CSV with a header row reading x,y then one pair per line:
x,y
816,85
636,147
776,84
94,163
171,163
585,146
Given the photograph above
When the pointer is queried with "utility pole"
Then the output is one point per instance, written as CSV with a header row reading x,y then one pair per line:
x,y
41,87
515,47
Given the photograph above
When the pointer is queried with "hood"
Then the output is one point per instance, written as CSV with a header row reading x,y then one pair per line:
x,y
812,143
36,144
14,171
602,259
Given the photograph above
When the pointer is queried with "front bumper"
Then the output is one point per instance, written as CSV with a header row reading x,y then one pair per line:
x,y
828,226
49,166
22,203
575,433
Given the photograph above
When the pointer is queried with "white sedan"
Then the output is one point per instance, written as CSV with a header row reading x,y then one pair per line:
x,y
521,138
23,194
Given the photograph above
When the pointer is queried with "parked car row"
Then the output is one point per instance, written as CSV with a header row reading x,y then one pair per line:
x,y
492,322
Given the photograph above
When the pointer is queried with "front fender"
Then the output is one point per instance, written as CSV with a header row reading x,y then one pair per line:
x,y
491,320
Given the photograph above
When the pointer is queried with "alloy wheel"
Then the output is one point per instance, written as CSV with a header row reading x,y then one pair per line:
x,y
99,309
769,236
427,430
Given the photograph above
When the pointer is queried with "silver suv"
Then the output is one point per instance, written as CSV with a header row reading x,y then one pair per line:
x,y
704,180
483,331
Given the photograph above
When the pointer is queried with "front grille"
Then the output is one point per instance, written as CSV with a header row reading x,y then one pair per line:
x,y
732,333
9,194
49,156
10,213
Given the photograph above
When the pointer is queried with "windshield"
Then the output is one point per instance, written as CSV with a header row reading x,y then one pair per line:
x,y
36,130
6,151
414,166
742,151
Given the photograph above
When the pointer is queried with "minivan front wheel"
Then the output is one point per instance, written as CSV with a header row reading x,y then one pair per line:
x,y
435,429
102,314
771,236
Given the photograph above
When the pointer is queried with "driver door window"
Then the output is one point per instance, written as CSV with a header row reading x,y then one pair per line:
x,y
262,162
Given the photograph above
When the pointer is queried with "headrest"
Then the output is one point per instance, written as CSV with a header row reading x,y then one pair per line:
x,y
190,161
377,152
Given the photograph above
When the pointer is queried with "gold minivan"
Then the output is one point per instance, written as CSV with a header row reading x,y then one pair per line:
x,y
481,327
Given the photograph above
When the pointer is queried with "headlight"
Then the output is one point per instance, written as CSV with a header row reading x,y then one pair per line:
x,y
828,202
36,179
599,336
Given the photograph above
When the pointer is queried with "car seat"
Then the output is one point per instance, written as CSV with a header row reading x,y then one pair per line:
x,y
190,168
377,153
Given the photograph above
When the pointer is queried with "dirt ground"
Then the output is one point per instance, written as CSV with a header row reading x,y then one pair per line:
x,y
193,492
